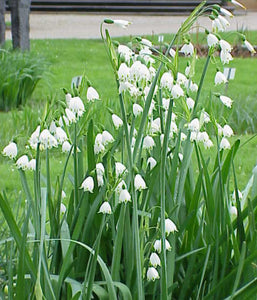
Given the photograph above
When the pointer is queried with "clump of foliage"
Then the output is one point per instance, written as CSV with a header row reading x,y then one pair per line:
x,y
20,73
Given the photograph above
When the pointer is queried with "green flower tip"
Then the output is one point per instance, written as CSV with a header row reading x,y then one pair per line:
x,y
108,21
216,7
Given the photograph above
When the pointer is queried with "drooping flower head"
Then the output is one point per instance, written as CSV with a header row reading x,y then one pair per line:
x,y
155,260
220,78
117,122
212,40
76,106
151,162
187,49
107,138
226,101
124,196
120,169
152,274
92,94
23,162
148,142
137,109
34,138
88,184
139,183
47,140
105,208
10,150
122,23
170,227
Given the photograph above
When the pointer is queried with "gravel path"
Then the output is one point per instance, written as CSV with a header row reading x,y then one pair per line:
x,y
84,26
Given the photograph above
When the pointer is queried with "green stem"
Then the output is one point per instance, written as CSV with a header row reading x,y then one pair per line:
x,y
164,288
118,245
93,265
76,193
134,200
201,84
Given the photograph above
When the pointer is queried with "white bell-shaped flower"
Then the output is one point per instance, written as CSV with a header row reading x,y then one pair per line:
x,y
225,57
124,196
137,109
167,81
208,144
88,184
177,91
151,162
47,140
227,131
123,72
226,12
107,138
155,260
190,103
66,146
92,94
100,180
202,136
212,40
220,78
52,127
122,23
120,169
22,162
70,116
181,78
34,138
172,52
99,169
139,183
105,208
170,227
187,49
62,209
10,150
224,22
68,98
60,135
152,274
76,106
225,46
249,47
217,26
194,125
158,246
224,144
226,101
233,211
117,122
125,52
32,165
148,143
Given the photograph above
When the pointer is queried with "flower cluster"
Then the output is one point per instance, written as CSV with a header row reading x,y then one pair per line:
x,y
152,273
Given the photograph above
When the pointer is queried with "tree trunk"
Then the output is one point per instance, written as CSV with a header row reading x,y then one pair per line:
x,y
2,22
20,10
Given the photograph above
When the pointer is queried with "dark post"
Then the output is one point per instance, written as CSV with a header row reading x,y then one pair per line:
x,y
20,10
2,22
